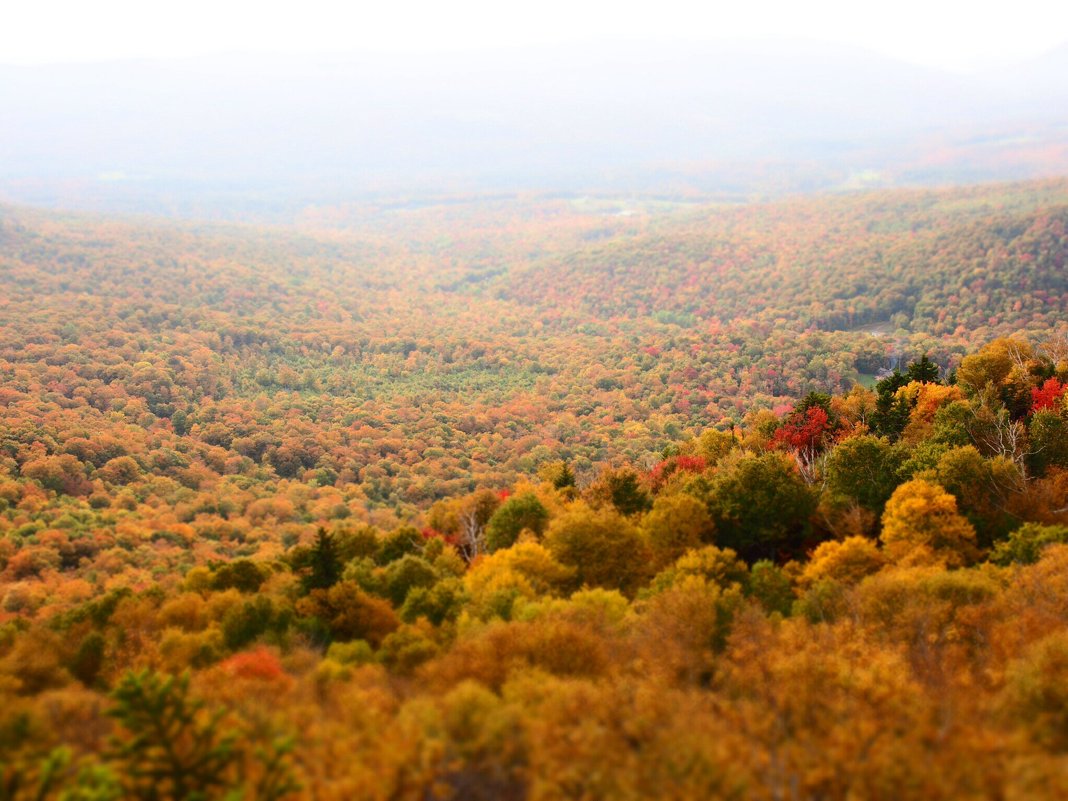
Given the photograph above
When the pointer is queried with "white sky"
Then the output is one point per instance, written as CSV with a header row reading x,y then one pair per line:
x,y
957,34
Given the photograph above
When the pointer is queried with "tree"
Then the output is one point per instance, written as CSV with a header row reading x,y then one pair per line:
x,y
515,514
720,566
921,525
325,566
770,585
405,574
63,474
601,545
1024,546
526,570
171,748
243,575
982,488
465,520
620,487
1000,375
760,505
805,433
1050,396
925,371
891,413
349,613
1048,434
674,525
847,561
1036,695
713,444
559,474
863,470
925,401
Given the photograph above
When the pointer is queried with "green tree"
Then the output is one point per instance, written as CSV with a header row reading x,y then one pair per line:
x,y
515,514
760,505
242,574
620,487
770,585
1024,546
170,747
925,371
405,574
891,413
863,470
325,566
559,474
1049,442
601,545
981,487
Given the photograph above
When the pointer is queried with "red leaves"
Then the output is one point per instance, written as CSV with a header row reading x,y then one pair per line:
x,y
694,464
673,464
804,433
1048,396
259,663
429,533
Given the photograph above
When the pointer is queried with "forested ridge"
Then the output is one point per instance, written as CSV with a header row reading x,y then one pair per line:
x,y
430,350
537,499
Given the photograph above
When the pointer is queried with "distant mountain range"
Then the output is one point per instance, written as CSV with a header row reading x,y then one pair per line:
x,y
266,134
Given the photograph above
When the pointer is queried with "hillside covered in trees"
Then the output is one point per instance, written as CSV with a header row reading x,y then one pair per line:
x,y
539,499
409,354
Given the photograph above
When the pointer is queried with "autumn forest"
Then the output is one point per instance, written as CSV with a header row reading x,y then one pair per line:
x,y
538,496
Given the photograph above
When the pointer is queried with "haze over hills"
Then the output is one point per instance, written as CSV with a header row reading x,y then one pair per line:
x,y
265,136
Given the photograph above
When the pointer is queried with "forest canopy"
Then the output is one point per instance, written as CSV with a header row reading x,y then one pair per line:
x,y
509,501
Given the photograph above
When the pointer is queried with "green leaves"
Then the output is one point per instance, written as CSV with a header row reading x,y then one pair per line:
x,y
172,747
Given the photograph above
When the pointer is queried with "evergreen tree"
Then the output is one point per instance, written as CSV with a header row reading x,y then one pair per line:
x,y
924,371
563,477
325,565
891,413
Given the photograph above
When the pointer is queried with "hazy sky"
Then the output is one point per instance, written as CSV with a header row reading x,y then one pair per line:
x,y
958,34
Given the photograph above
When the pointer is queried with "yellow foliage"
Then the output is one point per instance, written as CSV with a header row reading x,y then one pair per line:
x,y
601,545
186,611
526,570
713,444
847,561
926,400
180,650
921,525
675,524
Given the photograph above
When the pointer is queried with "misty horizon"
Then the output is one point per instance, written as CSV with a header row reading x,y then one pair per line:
x,y
742,120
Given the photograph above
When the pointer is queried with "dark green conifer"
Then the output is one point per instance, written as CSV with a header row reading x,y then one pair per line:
x,y
924,371
325,565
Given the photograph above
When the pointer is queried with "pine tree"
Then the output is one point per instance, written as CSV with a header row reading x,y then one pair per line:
x,y
925,371
325,565
565,478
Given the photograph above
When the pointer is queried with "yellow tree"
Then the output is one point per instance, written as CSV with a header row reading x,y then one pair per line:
x,y
675,524
847,561
921,525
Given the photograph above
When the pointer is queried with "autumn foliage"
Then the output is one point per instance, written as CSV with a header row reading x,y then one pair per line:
x,y
465,503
